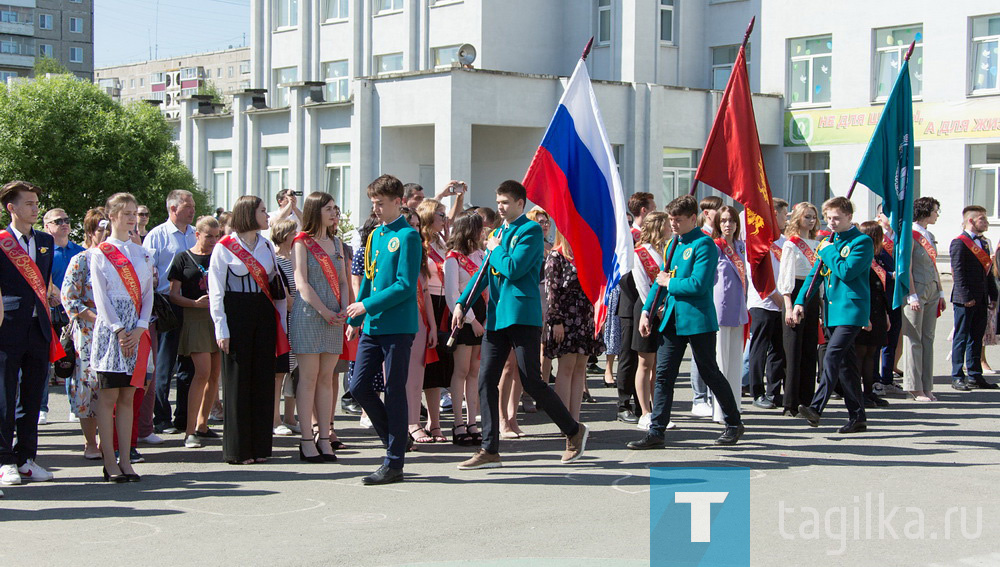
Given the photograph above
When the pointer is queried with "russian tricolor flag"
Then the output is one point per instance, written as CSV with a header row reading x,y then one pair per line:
x,y
573,176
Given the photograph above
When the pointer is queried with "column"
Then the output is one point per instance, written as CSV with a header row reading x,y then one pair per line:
x,y
452,154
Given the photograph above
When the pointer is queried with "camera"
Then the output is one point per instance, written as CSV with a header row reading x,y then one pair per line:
x,y
298,193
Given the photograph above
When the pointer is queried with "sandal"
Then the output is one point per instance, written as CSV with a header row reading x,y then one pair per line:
x,y
439,438
420,435
477,436
462,439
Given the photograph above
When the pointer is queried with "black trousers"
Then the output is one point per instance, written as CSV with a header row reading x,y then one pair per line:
x,y
841,371
248,376
800,344
526,341
967,344
868,358
24,376
767,352
668,364
389,418
628,363
167,362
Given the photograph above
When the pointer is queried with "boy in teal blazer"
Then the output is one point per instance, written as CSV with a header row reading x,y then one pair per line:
x,y
844,263
513,321
686,294
386,311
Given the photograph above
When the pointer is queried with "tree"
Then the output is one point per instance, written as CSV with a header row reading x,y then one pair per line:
x,y
46,64
210,88
77,144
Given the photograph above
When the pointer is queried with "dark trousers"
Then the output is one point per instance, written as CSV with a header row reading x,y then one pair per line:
x,y
868,356
628,363
526,342
24,375
248,376
967,344
389,418
668,364
888,352
801,355
167,362
841,371
767,352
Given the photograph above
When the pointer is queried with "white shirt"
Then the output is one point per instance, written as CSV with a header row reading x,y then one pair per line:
x,y
163,243
108,284
272,217
794,265
456,278
753,298
30,248
642,282
226,272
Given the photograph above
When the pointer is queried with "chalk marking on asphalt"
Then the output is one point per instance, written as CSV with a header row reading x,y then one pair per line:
x,y
318,504
155,530
355,518
368,487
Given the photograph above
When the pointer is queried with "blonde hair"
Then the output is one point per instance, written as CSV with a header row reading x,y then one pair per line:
x,y
282,230
206,222
652,229
562,246
427,209
117,202
51,214
799,211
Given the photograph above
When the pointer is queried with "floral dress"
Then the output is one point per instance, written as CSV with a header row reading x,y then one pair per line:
x,y
569,306
358,269
77,297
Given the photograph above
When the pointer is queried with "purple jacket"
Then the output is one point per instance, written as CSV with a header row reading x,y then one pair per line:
x,y
730,295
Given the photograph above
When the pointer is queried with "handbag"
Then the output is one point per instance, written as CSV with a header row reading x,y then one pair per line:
x,y
64,367
164,315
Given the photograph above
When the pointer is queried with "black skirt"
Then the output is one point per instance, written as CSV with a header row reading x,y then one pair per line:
x,y
641,344
114,379
438,374
466,336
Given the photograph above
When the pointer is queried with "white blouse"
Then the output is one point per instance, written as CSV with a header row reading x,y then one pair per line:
x,y
108,284
456,278
227,273
642,281
794,265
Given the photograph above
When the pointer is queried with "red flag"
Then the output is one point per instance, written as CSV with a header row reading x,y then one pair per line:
x,y
732,163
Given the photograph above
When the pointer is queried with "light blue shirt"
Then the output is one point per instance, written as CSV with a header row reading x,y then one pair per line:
x,y
163,243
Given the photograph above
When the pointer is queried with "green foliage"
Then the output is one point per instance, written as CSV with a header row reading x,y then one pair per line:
x,y
80,147
345,227
210,88
46,64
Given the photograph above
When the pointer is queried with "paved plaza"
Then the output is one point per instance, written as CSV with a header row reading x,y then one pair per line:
x,y
818,498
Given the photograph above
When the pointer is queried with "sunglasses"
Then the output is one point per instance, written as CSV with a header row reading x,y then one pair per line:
x,y
143,214
62,221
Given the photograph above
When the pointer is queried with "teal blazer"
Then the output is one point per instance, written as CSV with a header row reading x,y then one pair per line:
x,y
690,297
846,264
514,268
390,296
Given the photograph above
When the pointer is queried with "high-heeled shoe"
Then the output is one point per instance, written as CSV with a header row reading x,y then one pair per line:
x,y
327,457
313,459
117,479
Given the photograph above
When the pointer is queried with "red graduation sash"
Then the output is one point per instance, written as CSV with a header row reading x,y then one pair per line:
x,y
880,272
733,258
325,262
31,274
259,275
928,247
776,250
887,244
470,267
126,271
636,233
978,251
808,252
648,263
438,261
430,354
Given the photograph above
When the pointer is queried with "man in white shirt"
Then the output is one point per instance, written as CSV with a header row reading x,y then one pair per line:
x,y
288,208
163,243
767,351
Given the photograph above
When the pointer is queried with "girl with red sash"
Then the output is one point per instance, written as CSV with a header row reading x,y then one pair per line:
x,y
422,352
122,277
730,301
868,344
460,267
800,341
247,302
317,322
648,260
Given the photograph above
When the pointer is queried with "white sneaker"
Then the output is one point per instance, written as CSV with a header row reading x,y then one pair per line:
x,y
701,410
192,442
644,422
73,418
43,418
365,422
151,439
282,430
293,426
671,425
32,471
9,475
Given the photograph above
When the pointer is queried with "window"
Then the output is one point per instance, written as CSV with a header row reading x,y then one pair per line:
x,y
445,56
230,71
388,6
809,177
334,9
337,82
76,25
45,50
985,44
44,21
244,68
891,45
189,92
4,75
218,73
338,172
667,21
679,165
276,161
984,169
131,84
7,16
76,55
222,175
189,73
282,78
810,66
388,63
286,13
722,64
603,22
76,1
142,82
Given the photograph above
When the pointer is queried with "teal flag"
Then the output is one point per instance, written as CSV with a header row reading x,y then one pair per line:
x,y
887,170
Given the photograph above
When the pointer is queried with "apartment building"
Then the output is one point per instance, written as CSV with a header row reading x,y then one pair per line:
x,y
61,29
